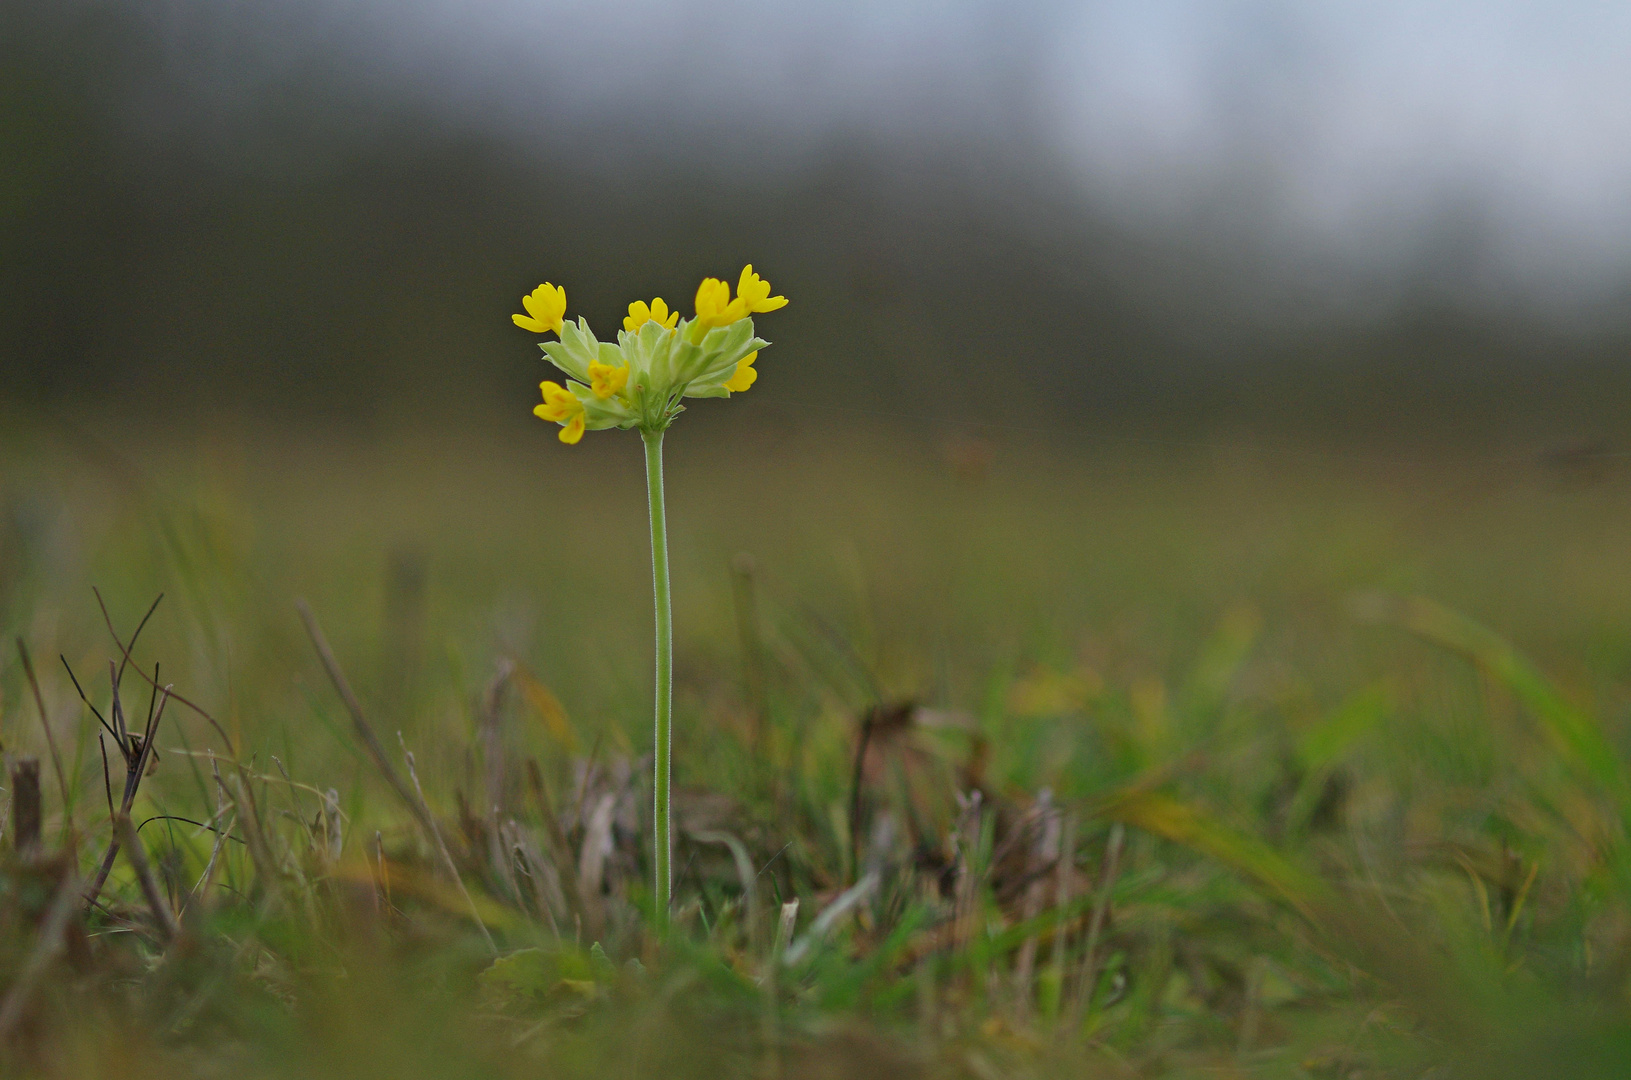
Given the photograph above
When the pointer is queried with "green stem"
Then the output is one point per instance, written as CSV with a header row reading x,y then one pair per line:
x,y
662,839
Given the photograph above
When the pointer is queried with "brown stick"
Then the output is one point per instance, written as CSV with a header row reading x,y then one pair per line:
x,y
25,806
137,857
120,676
50,739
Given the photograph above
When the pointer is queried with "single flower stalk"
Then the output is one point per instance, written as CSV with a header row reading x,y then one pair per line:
x,y
639,383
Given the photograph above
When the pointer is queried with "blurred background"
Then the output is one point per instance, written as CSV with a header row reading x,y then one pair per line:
x,y
1215,304
1396,221
1175,394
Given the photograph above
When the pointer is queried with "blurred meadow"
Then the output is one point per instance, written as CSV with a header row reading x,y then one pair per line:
x,y
1146,619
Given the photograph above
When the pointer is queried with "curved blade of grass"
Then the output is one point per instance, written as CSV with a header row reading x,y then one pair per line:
x,y
1166,817
1572,731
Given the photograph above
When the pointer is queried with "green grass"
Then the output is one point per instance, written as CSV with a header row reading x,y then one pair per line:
x,y
1332,745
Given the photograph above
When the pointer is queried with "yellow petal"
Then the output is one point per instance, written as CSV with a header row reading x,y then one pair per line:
x,y
638,316
559,402
713,298
573,431
745,374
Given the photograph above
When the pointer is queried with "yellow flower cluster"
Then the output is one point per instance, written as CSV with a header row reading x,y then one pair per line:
x,y
658,358
716,308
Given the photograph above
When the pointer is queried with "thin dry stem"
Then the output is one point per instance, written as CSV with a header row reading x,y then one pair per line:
x,y
441,847
365,731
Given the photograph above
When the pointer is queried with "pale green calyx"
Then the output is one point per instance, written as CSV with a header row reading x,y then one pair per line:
x,y
640,381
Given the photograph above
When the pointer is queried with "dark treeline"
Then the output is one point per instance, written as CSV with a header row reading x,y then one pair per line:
x,y
340,253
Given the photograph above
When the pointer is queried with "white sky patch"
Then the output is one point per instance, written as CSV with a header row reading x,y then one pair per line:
x,y
1363,117
1348,123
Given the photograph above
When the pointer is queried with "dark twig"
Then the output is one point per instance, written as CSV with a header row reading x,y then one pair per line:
x,y
139,627
135,768
107,782
50,739
73,679
25,806
169,693
190,821
153,697
118,708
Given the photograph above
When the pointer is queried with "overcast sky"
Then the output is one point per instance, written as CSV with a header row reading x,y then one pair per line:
x,y
1348,123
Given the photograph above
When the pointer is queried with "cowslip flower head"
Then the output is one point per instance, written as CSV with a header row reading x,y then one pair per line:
x,y
546,306
640,314
657,361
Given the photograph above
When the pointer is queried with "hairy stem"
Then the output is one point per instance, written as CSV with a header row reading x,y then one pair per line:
x,y
662,838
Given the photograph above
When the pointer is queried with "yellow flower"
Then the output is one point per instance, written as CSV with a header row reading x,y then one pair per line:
x,y
640,314
753,293
561,407
745,374
715,306
545,305
606,380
